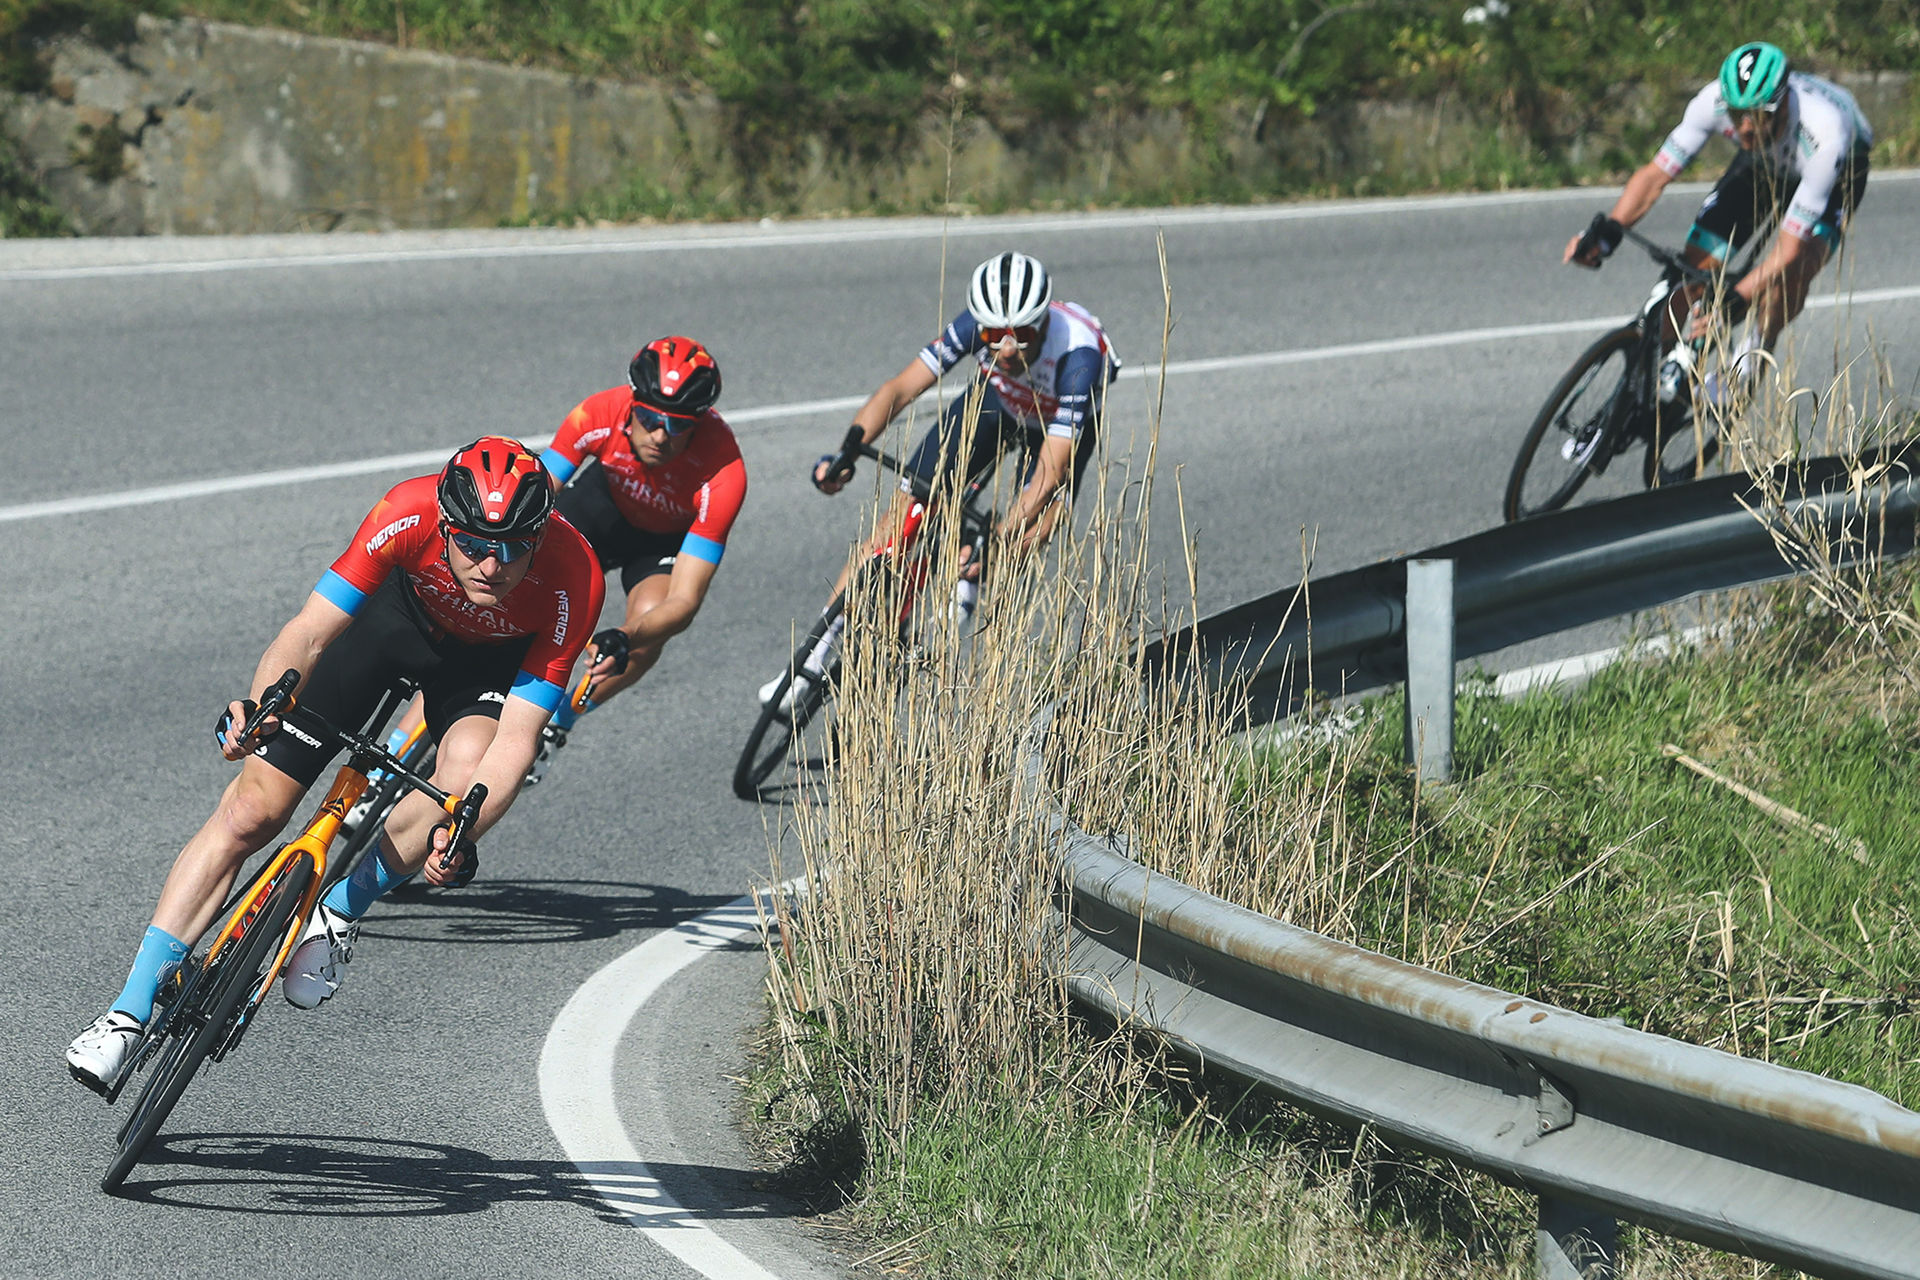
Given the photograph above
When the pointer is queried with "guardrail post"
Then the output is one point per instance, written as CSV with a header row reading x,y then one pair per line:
x,y
1430,668
1575,1243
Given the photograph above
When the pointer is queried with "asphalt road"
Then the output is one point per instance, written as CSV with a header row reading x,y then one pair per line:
x,y
398,1130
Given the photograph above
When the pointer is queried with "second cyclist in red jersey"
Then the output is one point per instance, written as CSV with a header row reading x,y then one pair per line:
x,y
665,484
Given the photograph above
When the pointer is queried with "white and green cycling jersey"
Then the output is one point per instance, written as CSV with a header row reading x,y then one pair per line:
x,y
1822,129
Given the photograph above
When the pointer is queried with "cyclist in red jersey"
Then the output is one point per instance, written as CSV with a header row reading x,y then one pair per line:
x,y
658,506
463,582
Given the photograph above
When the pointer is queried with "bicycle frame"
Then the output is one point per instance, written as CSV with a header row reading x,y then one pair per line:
x,y
316,840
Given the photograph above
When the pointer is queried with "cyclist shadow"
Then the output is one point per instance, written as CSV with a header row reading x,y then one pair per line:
x,y
534,911
332,1175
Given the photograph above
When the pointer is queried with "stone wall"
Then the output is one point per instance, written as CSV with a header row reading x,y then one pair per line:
x,y
208,127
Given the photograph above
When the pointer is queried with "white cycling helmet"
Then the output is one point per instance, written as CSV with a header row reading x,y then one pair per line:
x,y
1009,290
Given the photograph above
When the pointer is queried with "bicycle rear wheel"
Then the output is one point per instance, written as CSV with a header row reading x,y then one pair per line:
x,y
201,1024
1576,430
777,733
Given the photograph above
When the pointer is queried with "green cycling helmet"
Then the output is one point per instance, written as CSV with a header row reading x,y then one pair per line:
x,y
1753,76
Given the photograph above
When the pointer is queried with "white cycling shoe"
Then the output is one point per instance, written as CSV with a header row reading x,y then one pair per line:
x,y
316,968
99,1055
802,682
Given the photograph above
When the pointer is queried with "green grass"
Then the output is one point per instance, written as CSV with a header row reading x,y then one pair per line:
x,y
1574,863
857,76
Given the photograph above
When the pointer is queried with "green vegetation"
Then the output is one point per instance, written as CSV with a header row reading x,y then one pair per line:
x,y
1555,87
25,209
1575,863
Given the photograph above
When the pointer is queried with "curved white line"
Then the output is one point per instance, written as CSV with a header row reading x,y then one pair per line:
x,y
576,1088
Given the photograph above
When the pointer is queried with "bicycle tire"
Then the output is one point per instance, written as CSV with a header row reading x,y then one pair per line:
x,y
225,986
1606,417
1672,457
774,731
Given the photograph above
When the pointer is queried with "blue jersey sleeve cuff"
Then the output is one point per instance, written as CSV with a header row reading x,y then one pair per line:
x,y
558,465
544,694
339,591
703,548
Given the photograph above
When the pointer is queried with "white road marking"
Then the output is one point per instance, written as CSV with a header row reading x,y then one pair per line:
x,y
576,1088
147,256
430,458
551,244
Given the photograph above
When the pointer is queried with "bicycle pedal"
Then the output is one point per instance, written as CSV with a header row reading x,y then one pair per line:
x,y
100,1087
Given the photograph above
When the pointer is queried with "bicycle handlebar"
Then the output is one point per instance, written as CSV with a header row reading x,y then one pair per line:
x,y
1670,259
367,754
854,447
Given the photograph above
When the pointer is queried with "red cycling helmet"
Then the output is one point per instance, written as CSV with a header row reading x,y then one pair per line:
x,y
495,488
676,376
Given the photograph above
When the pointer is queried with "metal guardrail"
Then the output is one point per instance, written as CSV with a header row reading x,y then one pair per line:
x,y
1523,581
1739,1154
1743,1155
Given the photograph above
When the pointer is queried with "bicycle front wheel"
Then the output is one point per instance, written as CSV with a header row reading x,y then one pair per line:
x,y
776,732
1675,454
1576,430
201,1026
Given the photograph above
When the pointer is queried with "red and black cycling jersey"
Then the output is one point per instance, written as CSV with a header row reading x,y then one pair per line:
x,y
698,494
557,603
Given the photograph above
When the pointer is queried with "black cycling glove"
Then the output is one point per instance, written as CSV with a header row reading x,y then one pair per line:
x,y
613,643
463,849
1602,236
225,725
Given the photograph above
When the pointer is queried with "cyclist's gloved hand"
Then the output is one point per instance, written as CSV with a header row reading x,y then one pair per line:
x,y
1597,243
831,473
612,645
227,727
450,867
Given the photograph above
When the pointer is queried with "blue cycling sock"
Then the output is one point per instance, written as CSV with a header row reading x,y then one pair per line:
x,y
159,957
370,881
565,717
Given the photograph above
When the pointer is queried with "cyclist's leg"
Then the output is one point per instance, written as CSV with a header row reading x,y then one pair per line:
x,y
464,694
646,568
1739,204
955,445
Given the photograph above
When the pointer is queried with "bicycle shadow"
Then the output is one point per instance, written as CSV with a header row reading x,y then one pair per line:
x,y
336,1176
534,911
800,778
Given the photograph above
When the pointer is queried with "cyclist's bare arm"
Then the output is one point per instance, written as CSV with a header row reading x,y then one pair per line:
x,y
873,418
652,624
1033,513
299,644
1640,194
501,764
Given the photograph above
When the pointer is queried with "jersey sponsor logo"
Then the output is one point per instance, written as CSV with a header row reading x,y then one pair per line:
x,y
387,534
560,617
643,493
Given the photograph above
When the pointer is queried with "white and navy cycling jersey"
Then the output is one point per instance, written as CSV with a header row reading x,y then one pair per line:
x,y
1822,128
1058,390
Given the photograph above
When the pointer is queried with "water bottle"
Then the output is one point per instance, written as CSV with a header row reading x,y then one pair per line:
x,y
1674,370
966,593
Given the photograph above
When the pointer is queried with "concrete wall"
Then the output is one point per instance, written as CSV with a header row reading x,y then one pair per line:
x,y
207,127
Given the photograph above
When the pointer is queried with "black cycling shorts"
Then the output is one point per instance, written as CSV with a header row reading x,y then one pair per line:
x,y
938,453
637,553
392,638
1750,196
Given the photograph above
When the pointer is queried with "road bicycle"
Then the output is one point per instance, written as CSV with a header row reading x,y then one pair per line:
x,y
368,817
778,730
1624,391
205,1008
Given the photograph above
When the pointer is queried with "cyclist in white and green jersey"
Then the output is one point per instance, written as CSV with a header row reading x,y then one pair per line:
x,y
1803,160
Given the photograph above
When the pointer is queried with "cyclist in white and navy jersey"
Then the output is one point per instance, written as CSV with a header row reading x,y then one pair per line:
x,y
1046,366
1803,160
